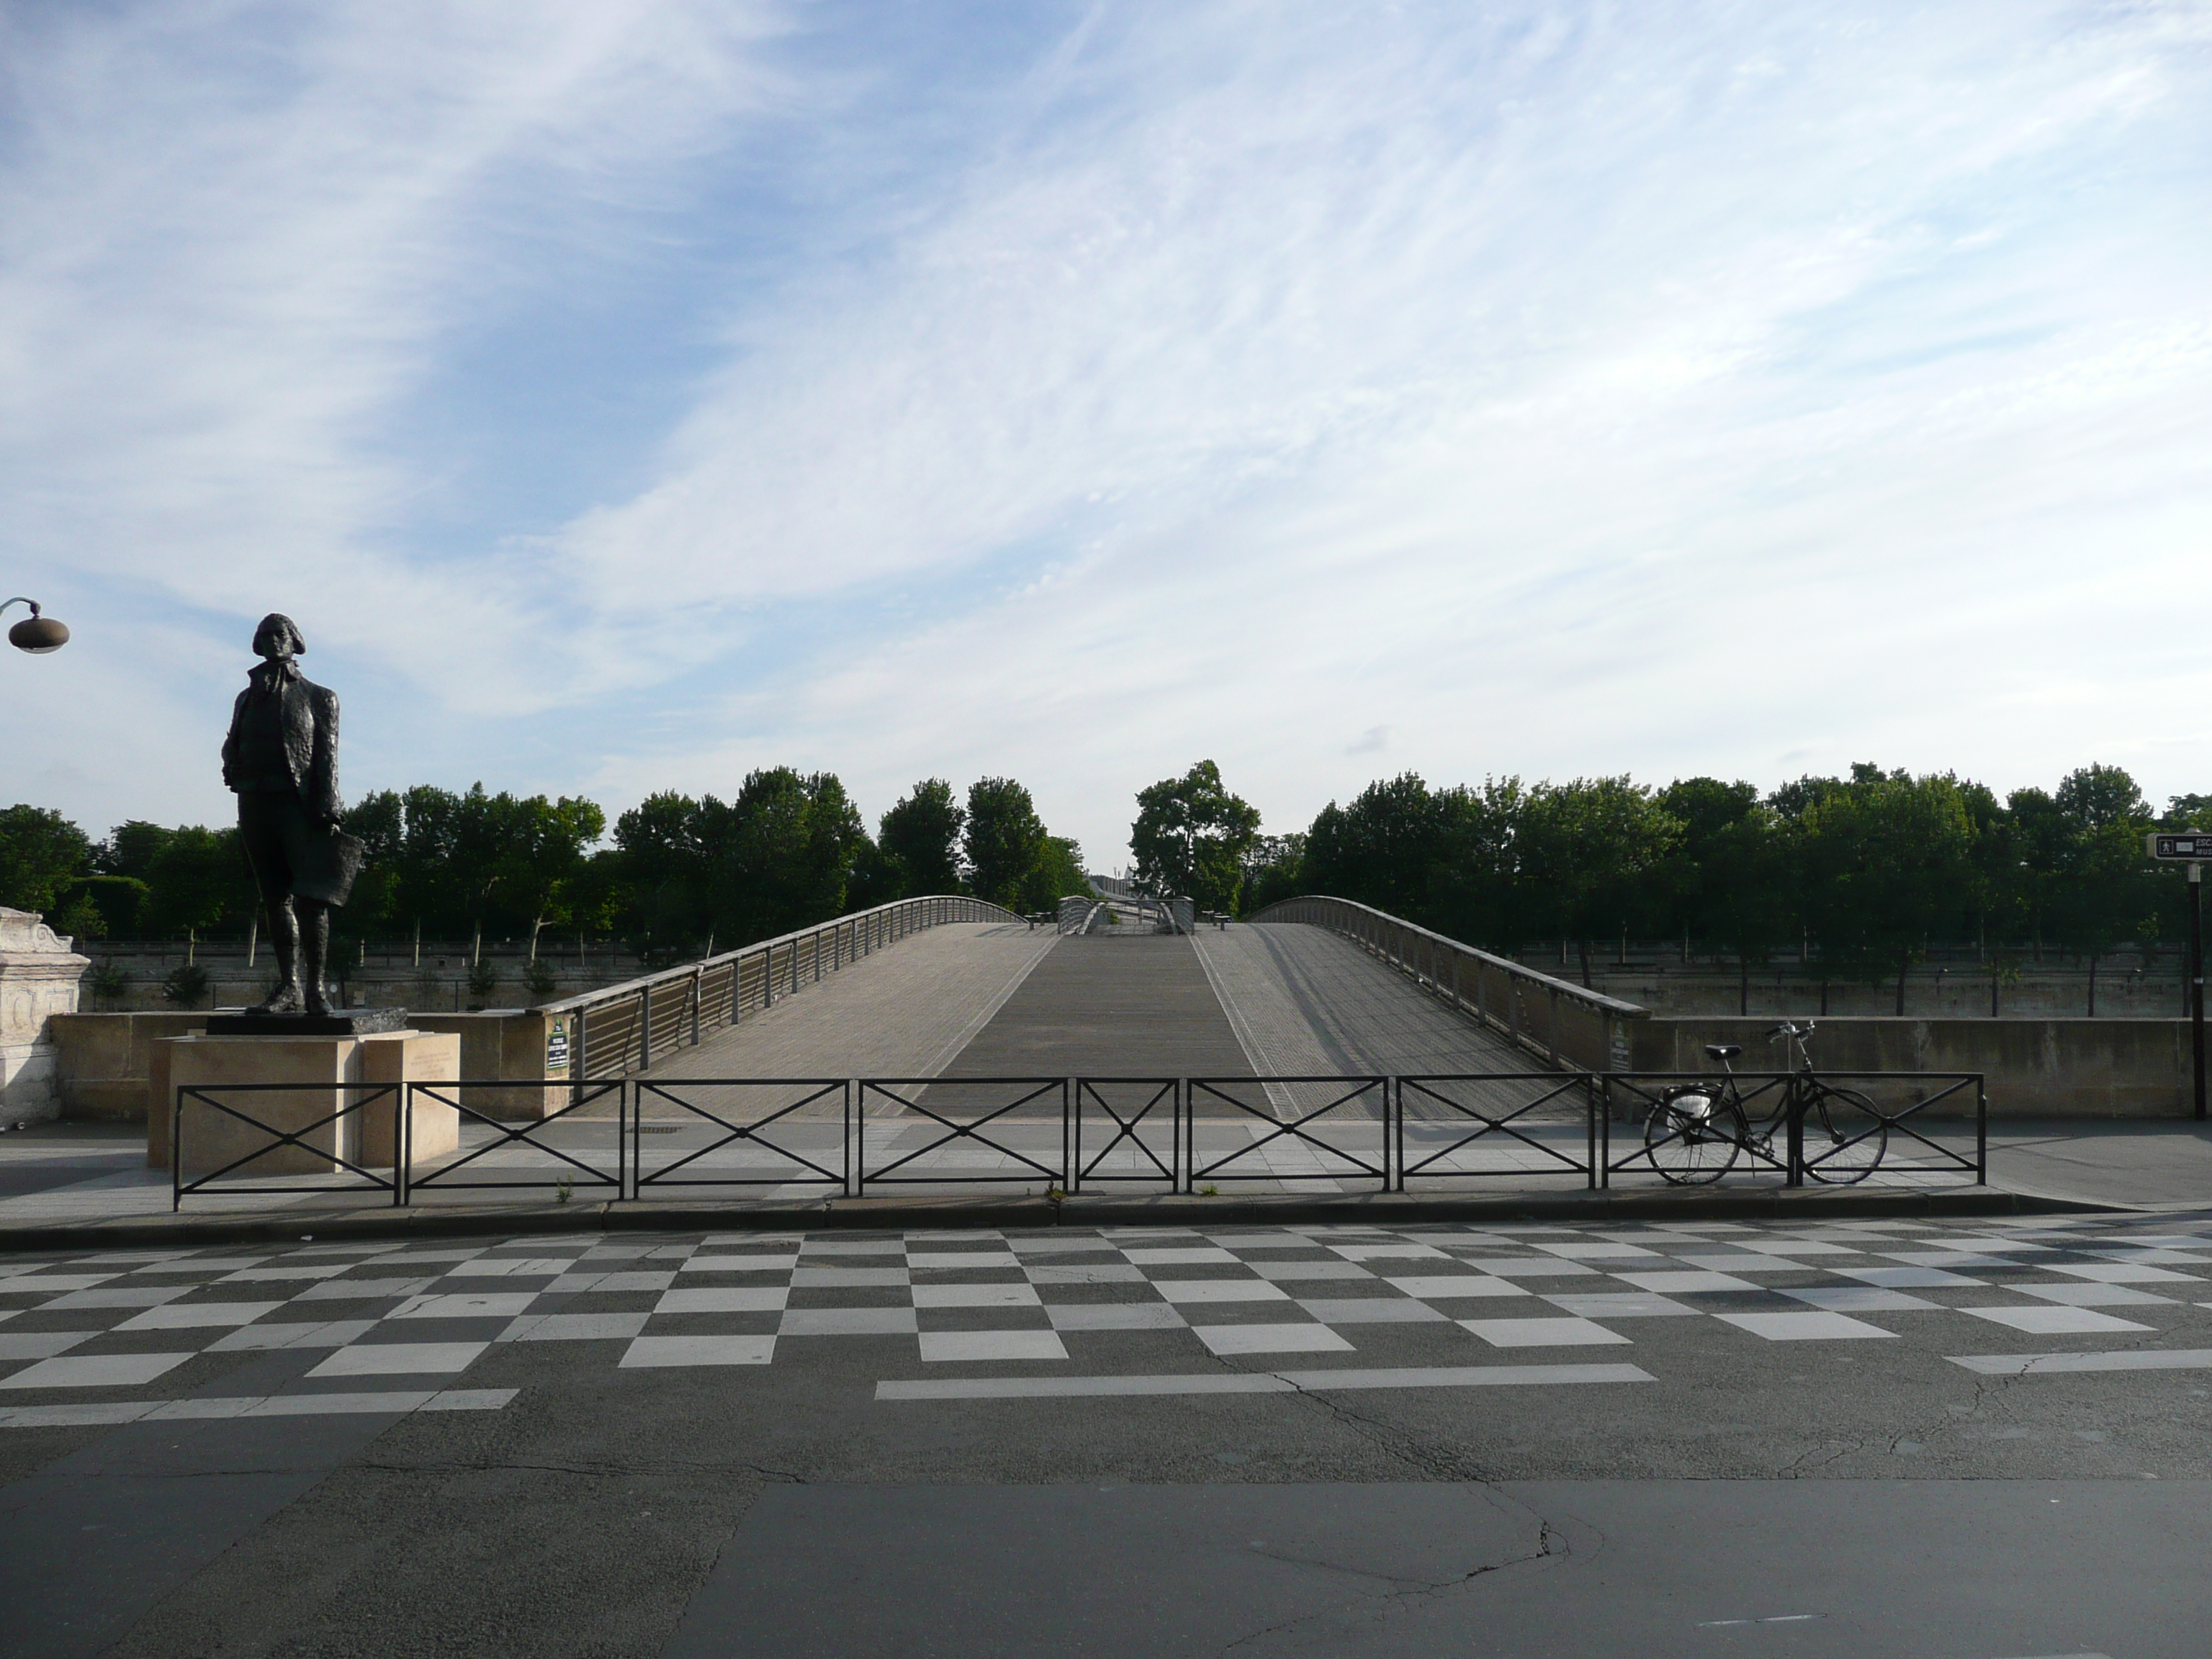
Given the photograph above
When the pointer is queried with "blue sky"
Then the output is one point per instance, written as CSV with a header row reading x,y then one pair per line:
x,y
625,395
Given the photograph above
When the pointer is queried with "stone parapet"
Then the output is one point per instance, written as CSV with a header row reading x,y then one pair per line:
x,y
39,977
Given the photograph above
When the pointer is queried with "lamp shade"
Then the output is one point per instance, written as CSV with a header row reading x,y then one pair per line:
x,y
37,635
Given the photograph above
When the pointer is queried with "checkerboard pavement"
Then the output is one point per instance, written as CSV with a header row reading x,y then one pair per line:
x,y
398,1328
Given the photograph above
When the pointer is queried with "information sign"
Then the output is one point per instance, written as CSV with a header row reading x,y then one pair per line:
x,y
2192,845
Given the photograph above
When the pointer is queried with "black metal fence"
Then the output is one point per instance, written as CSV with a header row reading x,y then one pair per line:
x,y
630,1139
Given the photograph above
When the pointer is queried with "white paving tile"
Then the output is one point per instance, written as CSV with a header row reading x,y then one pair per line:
x,y
1679,1284
848,1278
1271,1339
2052,1322
100,1370
939,1346
398,1358
1863,1298
116,1296
1445,1287
664,1350
193,1316
1804,1327
725,1263
736,1298
2119,1273
1218,1290
2093,1294
961,1259
1910,1279
1561,1333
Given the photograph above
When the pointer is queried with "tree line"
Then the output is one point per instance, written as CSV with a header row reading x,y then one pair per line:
x,y
1864,873
675,875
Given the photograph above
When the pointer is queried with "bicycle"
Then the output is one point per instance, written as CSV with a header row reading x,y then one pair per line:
x,y
1695,1132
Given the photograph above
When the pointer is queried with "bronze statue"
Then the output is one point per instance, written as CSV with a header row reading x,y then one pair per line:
x,y
282,758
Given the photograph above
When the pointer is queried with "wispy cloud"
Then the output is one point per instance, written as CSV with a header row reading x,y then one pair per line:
x,y
1552,388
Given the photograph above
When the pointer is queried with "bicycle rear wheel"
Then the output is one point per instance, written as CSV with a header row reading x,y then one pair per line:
x,y
1845,1137
1693,1133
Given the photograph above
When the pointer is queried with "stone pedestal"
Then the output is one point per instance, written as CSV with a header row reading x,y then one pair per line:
x,y
321,1075
39,975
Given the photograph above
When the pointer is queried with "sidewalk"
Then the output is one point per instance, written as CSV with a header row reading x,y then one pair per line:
x,y
64,1185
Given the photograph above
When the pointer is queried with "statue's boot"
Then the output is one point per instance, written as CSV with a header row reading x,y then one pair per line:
x,y
284,935
314,950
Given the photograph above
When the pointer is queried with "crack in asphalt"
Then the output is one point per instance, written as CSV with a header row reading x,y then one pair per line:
x,y
1553,1542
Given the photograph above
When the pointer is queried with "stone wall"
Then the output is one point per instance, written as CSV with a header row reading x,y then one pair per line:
x,y
39,975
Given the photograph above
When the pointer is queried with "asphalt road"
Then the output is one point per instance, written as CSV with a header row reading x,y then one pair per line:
x,y
1982,1440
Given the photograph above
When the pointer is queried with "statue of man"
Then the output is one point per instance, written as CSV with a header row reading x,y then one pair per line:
x,y
282,758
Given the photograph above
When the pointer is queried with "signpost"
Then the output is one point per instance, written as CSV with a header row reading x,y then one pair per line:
x,y
2192,847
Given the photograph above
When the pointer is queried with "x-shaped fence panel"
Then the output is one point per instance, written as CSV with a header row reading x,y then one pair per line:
x,y
987,1103
786,1132
1131,1104
566,1170
1347,1097
307,1142
1508,1110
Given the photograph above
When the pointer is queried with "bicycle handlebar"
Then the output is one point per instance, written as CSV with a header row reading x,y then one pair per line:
x,y
1787,1029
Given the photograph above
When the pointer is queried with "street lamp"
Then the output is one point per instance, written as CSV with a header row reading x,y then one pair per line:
x,y
35,633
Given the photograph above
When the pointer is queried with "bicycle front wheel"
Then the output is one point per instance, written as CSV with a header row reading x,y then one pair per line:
x,y
1845,1137
1693,1133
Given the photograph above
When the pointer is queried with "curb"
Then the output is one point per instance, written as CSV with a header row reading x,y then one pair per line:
x,y
895,1214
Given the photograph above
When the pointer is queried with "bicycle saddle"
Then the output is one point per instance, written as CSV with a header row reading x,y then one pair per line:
x,y
1723,1050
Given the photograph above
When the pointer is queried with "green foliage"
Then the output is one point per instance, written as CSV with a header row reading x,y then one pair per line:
x,y
539,979
41,852
483,979
1191,837
186,985
200,880
1871,866
105,980
1004,842
920,838
1057,875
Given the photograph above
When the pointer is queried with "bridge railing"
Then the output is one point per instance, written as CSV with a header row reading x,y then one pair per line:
x,y
1564,1023
812,1139
625,1027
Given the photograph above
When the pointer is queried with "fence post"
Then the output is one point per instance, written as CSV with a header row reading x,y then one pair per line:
x,y
698,987
1981,1129
856,1145
644,1027
1794,1174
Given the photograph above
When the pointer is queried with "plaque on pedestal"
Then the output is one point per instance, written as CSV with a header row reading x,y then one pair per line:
x,y
339,1021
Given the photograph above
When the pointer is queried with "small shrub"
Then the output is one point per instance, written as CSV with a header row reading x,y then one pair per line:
x,y
483,980
539,979
107,981
187,986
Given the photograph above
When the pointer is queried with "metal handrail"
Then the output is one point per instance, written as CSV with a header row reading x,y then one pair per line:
x,y
1461,1123
657,1014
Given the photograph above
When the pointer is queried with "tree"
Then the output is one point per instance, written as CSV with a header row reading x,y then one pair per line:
x,y
1887,863
41,852
921,838
782,853
200,880
1190,838
1380,850
1274,870
542,859
1057,875
1004,839
1587,846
